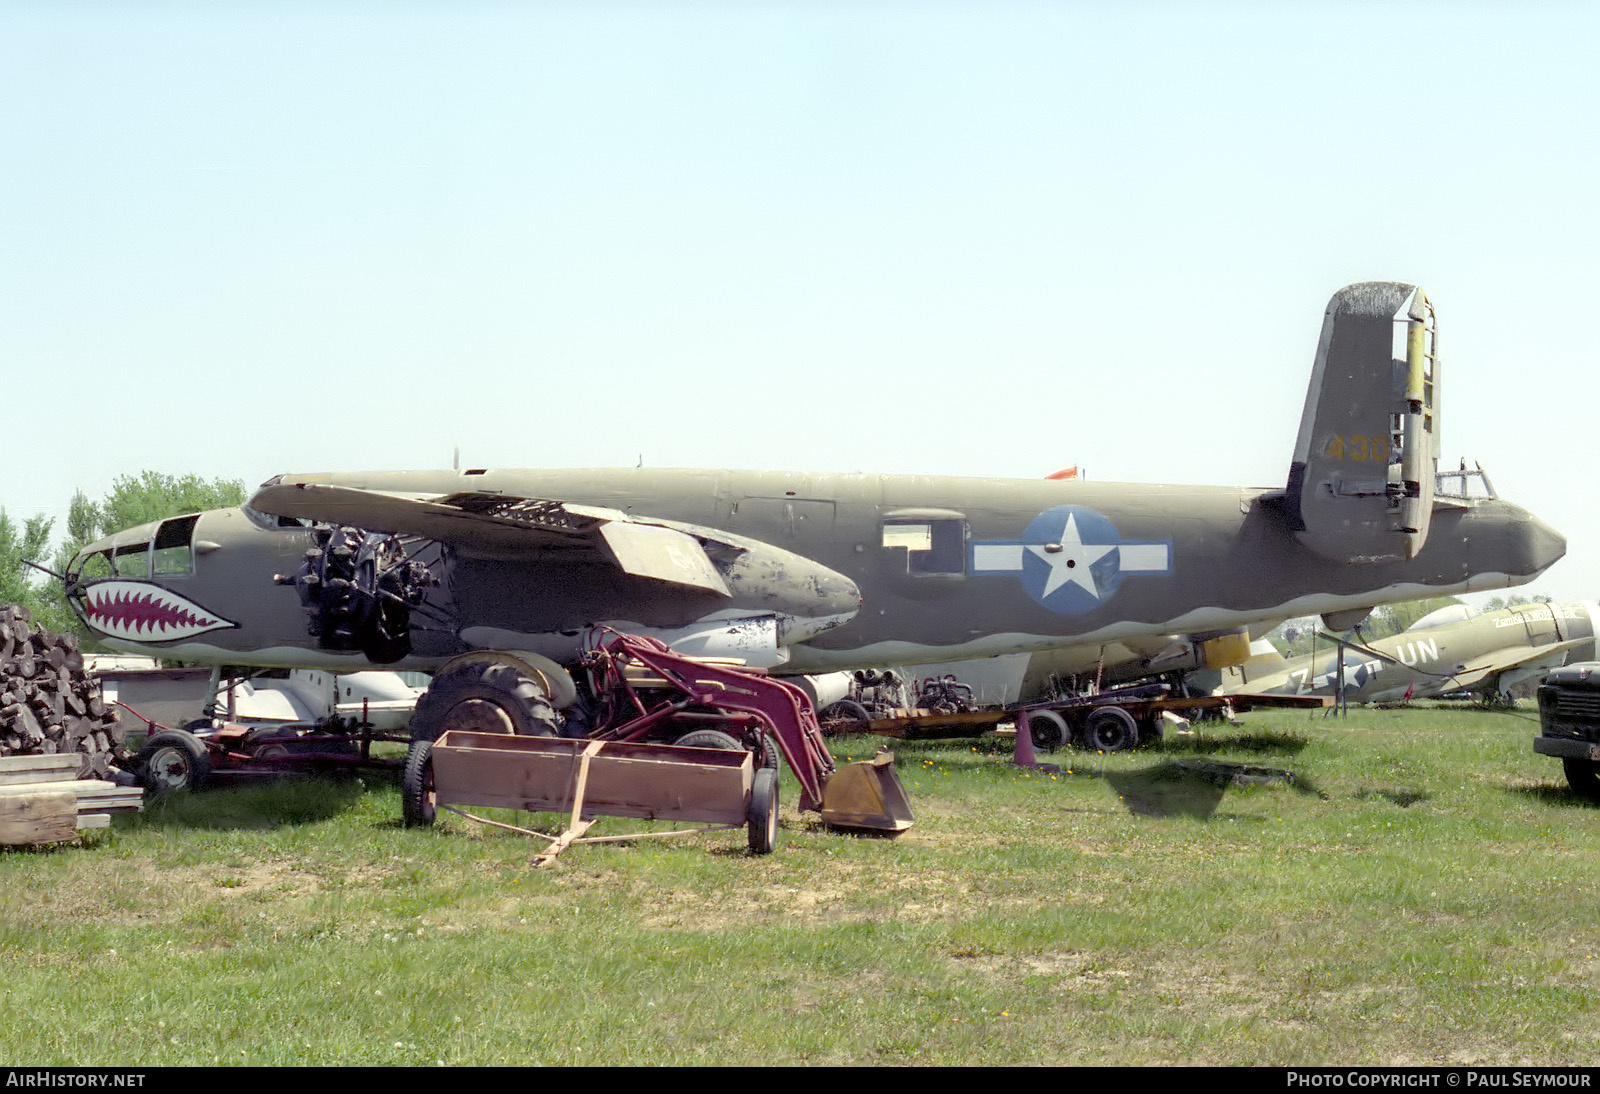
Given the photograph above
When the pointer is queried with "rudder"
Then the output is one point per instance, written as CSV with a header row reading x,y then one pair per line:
x,y
1361,483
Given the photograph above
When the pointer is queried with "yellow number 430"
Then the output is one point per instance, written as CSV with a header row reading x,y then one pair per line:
x,y
1357,447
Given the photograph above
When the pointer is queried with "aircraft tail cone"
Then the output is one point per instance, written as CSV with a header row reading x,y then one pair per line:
x,y
867,795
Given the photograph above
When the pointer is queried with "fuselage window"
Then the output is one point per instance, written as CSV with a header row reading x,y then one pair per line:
x,y
931,546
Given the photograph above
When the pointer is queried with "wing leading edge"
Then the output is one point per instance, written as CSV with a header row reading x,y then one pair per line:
x,y
510,528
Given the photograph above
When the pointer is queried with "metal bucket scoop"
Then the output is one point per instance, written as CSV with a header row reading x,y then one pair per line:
x,y
867,795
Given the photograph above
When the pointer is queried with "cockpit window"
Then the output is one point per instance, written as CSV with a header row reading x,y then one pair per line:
x,y
132,560
97,565
1463,485
172,553
267,520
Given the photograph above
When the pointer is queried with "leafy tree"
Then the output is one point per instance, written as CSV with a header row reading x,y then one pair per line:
x,y
153,496
18,583
1394,618
1495,603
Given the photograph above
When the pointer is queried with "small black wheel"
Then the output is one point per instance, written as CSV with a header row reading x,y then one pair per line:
x,y
763,812
173,760
767,756
709,738
419,802
1048,730
1110,729
770,752
1583,776
843,717
271,755
485,695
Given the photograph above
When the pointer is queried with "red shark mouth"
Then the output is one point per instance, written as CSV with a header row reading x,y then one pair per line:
x,y
142,612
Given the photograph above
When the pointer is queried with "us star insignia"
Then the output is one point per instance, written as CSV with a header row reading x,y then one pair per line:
x,y
1071,558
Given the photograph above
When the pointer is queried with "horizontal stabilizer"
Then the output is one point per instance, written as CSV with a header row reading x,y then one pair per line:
x,y
509,528
1361,483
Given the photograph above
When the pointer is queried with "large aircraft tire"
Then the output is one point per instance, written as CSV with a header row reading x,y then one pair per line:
x,y
1583,776
485,694
418,803
1110,729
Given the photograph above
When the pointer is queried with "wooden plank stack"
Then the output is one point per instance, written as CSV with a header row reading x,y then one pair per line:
x,y
43,801
48,704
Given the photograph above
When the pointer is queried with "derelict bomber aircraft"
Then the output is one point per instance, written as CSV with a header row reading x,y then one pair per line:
x,y
807,573
1449,650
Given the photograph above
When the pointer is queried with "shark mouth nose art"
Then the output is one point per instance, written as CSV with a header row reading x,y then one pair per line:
x,y
140,611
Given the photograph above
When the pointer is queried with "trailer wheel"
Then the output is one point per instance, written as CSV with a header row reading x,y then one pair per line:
x,y
271,755
763,814
1110,729
1583,776
845,716
1048,730
485,694
173,760
419,803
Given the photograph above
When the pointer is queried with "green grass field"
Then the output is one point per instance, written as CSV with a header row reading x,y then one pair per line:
x,y
1425,892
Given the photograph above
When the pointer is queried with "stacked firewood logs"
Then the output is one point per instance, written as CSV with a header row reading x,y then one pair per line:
x,y
48,704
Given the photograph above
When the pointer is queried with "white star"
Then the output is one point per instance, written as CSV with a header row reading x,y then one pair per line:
x,y
1072,562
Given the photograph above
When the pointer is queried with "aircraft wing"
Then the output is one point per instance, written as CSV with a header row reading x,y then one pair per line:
x,y
1505,660
508,528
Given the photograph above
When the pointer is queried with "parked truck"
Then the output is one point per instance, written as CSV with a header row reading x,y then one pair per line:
x,y
1569,724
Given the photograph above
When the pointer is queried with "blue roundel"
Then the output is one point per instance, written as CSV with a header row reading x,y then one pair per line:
x,y
1071,559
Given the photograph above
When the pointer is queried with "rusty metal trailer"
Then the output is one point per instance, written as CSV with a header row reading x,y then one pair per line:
x,y
1112,721
718,788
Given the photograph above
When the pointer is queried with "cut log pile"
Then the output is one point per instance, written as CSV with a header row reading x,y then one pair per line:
x,y
48,704
43,801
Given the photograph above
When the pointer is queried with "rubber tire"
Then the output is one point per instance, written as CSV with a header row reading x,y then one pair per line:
x,y
763,812
772,755
418,801
845,710
716,738
487,696
185,763
1048,730
1110,729
710,738
1583,776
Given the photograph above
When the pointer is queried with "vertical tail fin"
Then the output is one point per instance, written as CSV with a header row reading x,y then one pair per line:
x,y
1361,484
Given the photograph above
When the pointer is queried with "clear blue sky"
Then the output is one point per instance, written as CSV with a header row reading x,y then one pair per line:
x,y
985,238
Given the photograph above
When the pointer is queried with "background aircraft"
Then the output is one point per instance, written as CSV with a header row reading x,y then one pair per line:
x,y
812,573
1449,650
